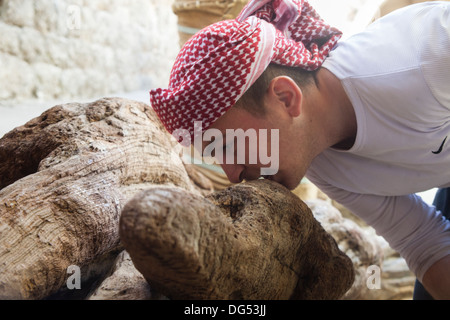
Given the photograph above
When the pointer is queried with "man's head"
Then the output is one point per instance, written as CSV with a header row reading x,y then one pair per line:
x,y
253,99
276,129
235,63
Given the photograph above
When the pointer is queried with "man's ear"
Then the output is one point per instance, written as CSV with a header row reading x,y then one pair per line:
x,y
287,93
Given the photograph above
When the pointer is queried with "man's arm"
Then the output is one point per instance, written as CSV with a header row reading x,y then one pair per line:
x,y
437,279
411,227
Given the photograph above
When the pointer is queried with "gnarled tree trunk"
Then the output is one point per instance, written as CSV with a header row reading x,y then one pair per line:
x,y
64,178
251,241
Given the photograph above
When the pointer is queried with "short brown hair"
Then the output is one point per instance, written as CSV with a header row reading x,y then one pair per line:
x,y
253,98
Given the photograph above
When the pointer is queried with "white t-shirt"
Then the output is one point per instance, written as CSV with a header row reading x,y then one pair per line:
x,y
397,75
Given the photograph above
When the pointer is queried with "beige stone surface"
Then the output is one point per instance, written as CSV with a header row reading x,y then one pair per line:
x,y
82,49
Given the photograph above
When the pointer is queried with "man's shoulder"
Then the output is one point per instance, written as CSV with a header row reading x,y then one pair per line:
x,y
402,40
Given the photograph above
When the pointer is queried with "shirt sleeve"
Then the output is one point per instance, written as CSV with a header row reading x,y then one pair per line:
x,y
416,230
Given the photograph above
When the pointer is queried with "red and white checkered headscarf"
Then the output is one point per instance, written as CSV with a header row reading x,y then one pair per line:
x,y
218,64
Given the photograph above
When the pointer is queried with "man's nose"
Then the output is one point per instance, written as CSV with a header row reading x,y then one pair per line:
x,y
234,172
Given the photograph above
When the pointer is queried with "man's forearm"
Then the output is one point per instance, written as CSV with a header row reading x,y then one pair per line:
x,y
437,279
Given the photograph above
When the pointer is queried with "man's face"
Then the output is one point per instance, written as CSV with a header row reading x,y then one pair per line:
x,y
254,146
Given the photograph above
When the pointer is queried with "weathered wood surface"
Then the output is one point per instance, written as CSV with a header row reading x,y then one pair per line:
x,y
251,241
64,178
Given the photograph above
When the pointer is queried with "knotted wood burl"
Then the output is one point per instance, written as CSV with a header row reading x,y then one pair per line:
x,y
251,241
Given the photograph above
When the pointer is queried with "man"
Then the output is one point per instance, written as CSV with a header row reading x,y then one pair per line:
x,y
367,122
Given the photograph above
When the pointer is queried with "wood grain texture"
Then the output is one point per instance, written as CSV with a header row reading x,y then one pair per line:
x,y
84,181
65,177
251,241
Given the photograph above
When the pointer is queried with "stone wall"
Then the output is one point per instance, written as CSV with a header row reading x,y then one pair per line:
x,y
65,49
